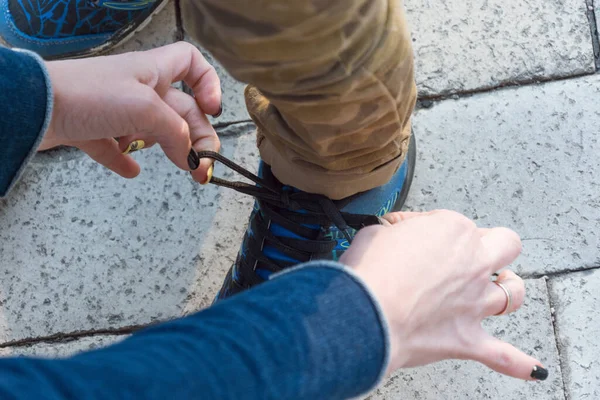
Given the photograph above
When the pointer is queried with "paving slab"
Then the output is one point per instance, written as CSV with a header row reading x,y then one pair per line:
x,y
526,158
465,45
575,298
83,249
63,348
530,329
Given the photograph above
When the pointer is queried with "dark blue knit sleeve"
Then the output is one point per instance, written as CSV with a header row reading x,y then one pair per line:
x,y
312,333
25,111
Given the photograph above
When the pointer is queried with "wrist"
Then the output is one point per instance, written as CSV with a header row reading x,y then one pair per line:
x,y
47,129
392,313
51,135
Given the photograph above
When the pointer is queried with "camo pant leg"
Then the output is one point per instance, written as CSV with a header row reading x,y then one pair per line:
x,y
331,85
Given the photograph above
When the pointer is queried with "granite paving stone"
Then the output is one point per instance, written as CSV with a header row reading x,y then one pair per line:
x,y
525,158
466,45
575,298
530,329
83,249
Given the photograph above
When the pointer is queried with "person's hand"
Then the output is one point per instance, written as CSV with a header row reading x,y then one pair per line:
x,y
431,274
130,97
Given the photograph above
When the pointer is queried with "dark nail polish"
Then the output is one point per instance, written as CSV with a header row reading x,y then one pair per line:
x,y
193,160
217,115
539,373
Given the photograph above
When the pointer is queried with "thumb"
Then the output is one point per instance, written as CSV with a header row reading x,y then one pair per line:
x,y
202,134
508,360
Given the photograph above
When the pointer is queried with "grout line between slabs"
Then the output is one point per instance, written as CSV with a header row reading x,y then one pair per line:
x,y
591,16
428,101
559,273
556,339
62,337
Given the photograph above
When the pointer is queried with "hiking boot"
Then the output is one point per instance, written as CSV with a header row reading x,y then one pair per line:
x,y
288,227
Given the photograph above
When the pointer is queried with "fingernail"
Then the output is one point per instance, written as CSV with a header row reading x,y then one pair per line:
x,y
134,146
193,160
217,115
209,174
539,373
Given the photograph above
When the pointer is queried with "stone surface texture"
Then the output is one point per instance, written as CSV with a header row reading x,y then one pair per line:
x,y
466,45
83,249
575,298
83,252
530,330
525,158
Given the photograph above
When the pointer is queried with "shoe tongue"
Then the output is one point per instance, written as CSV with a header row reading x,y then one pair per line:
x,y
264,172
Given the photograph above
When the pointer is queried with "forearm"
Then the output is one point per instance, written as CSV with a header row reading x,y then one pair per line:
x,y
310,333
25,112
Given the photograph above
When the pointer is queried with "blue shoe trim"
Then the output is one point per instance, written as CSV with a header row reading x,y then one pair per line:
x,y
132,5
370,202
45,47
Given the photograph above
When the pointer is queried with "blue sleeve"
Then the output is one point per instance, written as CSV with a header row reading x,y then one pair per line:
x,y
25,111
312,333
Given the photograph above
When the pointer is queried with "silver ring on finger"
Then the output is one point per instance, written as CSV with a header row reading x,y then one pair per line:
x,y
508,298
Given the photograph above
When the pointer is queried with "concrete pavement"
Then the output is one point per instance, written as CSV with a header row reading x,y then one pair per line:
x,y
507,129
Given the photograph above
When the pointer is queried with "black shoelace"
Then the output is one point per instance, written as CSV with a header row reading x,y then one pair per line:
x,y
291,210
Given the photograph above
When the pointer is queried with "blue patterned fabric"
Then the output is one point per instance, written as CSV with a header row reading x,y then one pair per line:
x,y
62,28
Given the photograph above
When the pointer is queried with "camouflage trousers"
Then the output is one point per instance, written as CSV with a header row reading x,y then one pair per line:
x,y
331,84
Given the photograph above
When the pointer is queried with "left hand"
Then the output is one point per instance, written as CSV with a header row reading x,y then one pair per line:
x,y
431,274
130,97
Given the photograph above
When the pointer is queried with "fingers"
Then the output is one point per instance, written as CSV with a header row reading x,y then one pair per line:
x,y
202,134
496,299
158,121
107,153
501,246
175,122
508,360
183,61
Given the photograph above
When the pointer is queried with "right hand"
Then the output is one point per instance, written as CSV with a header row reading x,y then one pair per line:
x,y
431,274
129,97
